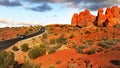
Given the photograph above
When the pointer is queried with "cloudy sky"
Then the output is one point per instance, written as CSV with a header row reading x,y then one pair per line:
x,y
45,12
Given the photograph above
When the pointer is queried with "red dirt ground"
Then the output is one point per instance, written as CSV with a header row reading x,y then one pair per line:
x,y
70,56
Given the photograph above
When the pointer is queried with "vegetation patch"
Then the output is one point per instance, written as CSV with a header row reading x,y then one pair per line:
x,y
58,62
71,36
30,65
107,43
37,51
6,59
62,40
53,49
51,66
91,51
52,41
24,47
14,48
87,32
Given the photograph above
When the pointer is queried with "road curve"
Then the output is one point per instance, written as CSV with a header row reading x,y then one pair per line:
x,y
7,43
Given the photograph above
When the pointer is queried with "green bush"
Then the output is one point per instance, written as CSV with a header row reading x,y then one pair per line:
x,y
92,51
3,54
71,36
14,48
72,65
83,46
6,59
116,26
107,43
24,47
80,49
87,32
37,51
1,61
58,61
52,50
44,36
26,32
30,65
52,41
51,66
90,42
62,40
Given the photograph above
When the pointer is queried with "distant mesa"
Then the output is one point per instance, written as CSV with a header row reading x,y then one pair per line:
x,y
85,18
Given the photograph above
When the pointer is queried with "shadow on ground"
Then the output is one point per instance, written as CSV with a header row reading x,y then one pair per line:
x,y
115,62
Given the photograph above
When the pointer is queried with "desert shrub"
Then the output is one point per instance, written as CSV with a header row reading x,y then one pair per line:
x,y
74,46
52,50
44,36
24,47
3,54
26,32
6,59
110,42
107,43
58,46
90,42
1,61
58,61
72,65
62,40
14,48
87,32
52,41
99,50
51,66
37,51
71,36
116,26
92,51
102,44
30,65
83,46
80,49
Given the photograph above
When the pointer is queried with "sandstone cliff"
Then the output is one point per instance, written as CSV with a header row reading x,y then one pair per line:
x,y
110,18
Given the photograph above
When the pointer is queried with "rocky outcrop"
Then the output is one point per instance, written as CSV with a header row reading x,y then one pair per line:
x,y
83,19
101,18
75,19
110,18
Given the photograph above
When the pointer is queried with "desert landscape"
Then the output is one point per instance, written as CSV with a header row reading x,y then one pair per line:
x,y
88,42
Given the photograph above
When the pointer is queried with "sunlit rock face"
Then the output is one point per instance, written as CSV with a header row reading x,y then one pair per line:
x,y
110,18
83,19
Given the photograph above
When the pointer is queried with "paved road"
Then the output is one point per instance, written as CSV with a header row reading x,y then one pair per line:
x,y
7,43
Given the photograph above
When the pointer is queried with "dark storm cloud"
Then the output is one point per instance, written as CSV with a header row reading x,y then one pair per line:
x,y
102,4
86,4
9,3
42,8
76,3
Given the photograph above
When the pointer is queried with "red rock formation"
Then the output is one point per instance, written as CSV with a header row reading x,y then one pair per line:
x,y
115,11
110,18
75,19
101,17
83,19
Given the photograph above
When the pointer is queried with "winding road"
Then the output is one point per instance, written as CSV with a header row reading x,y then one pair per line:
x,y
7,43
